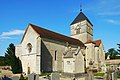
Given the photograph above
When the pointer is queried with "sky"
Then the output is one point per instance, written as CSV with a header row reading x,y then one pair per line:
x,y
57,15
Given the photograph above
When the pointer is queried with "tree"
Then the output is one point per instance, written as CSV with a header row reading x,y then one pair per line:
x,y
2,61
113,53
118,48
12,60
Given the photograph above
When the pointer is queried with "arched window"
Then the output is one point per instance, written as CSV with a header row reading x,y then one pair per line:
x,y
29,47
78,29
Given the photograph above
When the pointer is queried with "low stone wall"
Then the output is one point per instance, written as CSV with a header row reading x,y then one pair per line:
x,y
70,76
112,61
6,72
83,78
5,67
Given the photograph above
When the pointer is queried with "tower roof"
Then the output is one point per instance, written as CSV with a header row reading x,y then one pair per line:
x,y
79,18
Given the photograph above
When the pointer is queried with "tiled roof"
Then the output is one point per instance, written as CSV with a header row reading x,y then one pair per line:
x,y
96,42
80,17
44,33
89,41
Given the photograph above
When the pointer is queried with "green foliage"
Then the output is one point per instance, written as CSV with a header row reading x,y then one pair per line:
x,y
44,74
2,61
12,60
99,74
118,76
113,53
117,57
108,64
118,48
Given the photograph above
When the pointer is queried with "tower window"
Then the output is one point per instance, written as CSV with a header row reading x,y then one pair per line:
x,y
78,31
55,55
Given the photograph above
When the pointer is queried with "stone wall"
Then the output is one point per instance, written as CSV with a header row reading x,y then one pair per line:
x,y
86,31
96,63
79,62
51,55
101,55
90,53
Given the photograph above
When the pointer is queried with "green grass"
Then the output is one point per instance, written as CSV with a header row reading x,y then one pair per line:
x,y
118,76
99,74
44,74
108,64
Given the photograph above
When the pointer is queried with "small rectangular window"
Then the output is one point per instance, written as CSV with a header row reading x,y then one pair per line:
x,y
55,55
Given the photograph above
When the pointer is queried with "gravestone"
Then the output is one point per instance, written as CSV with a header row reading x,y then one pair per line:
x,y
106,76
114,76
6,78
90,75
55,76
37,77
15,78
33,76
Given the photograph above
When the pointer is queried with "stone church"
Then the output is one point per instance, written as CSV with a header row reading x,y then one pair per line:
x,y
42,50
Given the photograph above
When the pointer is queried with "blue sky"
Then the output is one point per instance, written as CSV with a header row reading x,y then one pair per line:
x,y
56,15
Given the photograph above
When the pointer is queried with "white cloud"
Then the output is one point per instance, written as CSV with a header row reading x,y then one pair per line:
x,y
12,33
112,21
5,37
105,8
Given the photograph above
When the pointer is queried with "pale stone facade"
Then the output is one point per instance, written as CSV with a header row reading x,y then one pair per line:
x,y
82,29
95,54
31,59
42,50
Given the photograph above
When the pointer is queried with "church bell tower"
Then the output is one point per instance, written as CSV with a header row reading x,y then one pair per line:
x,y
81,28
